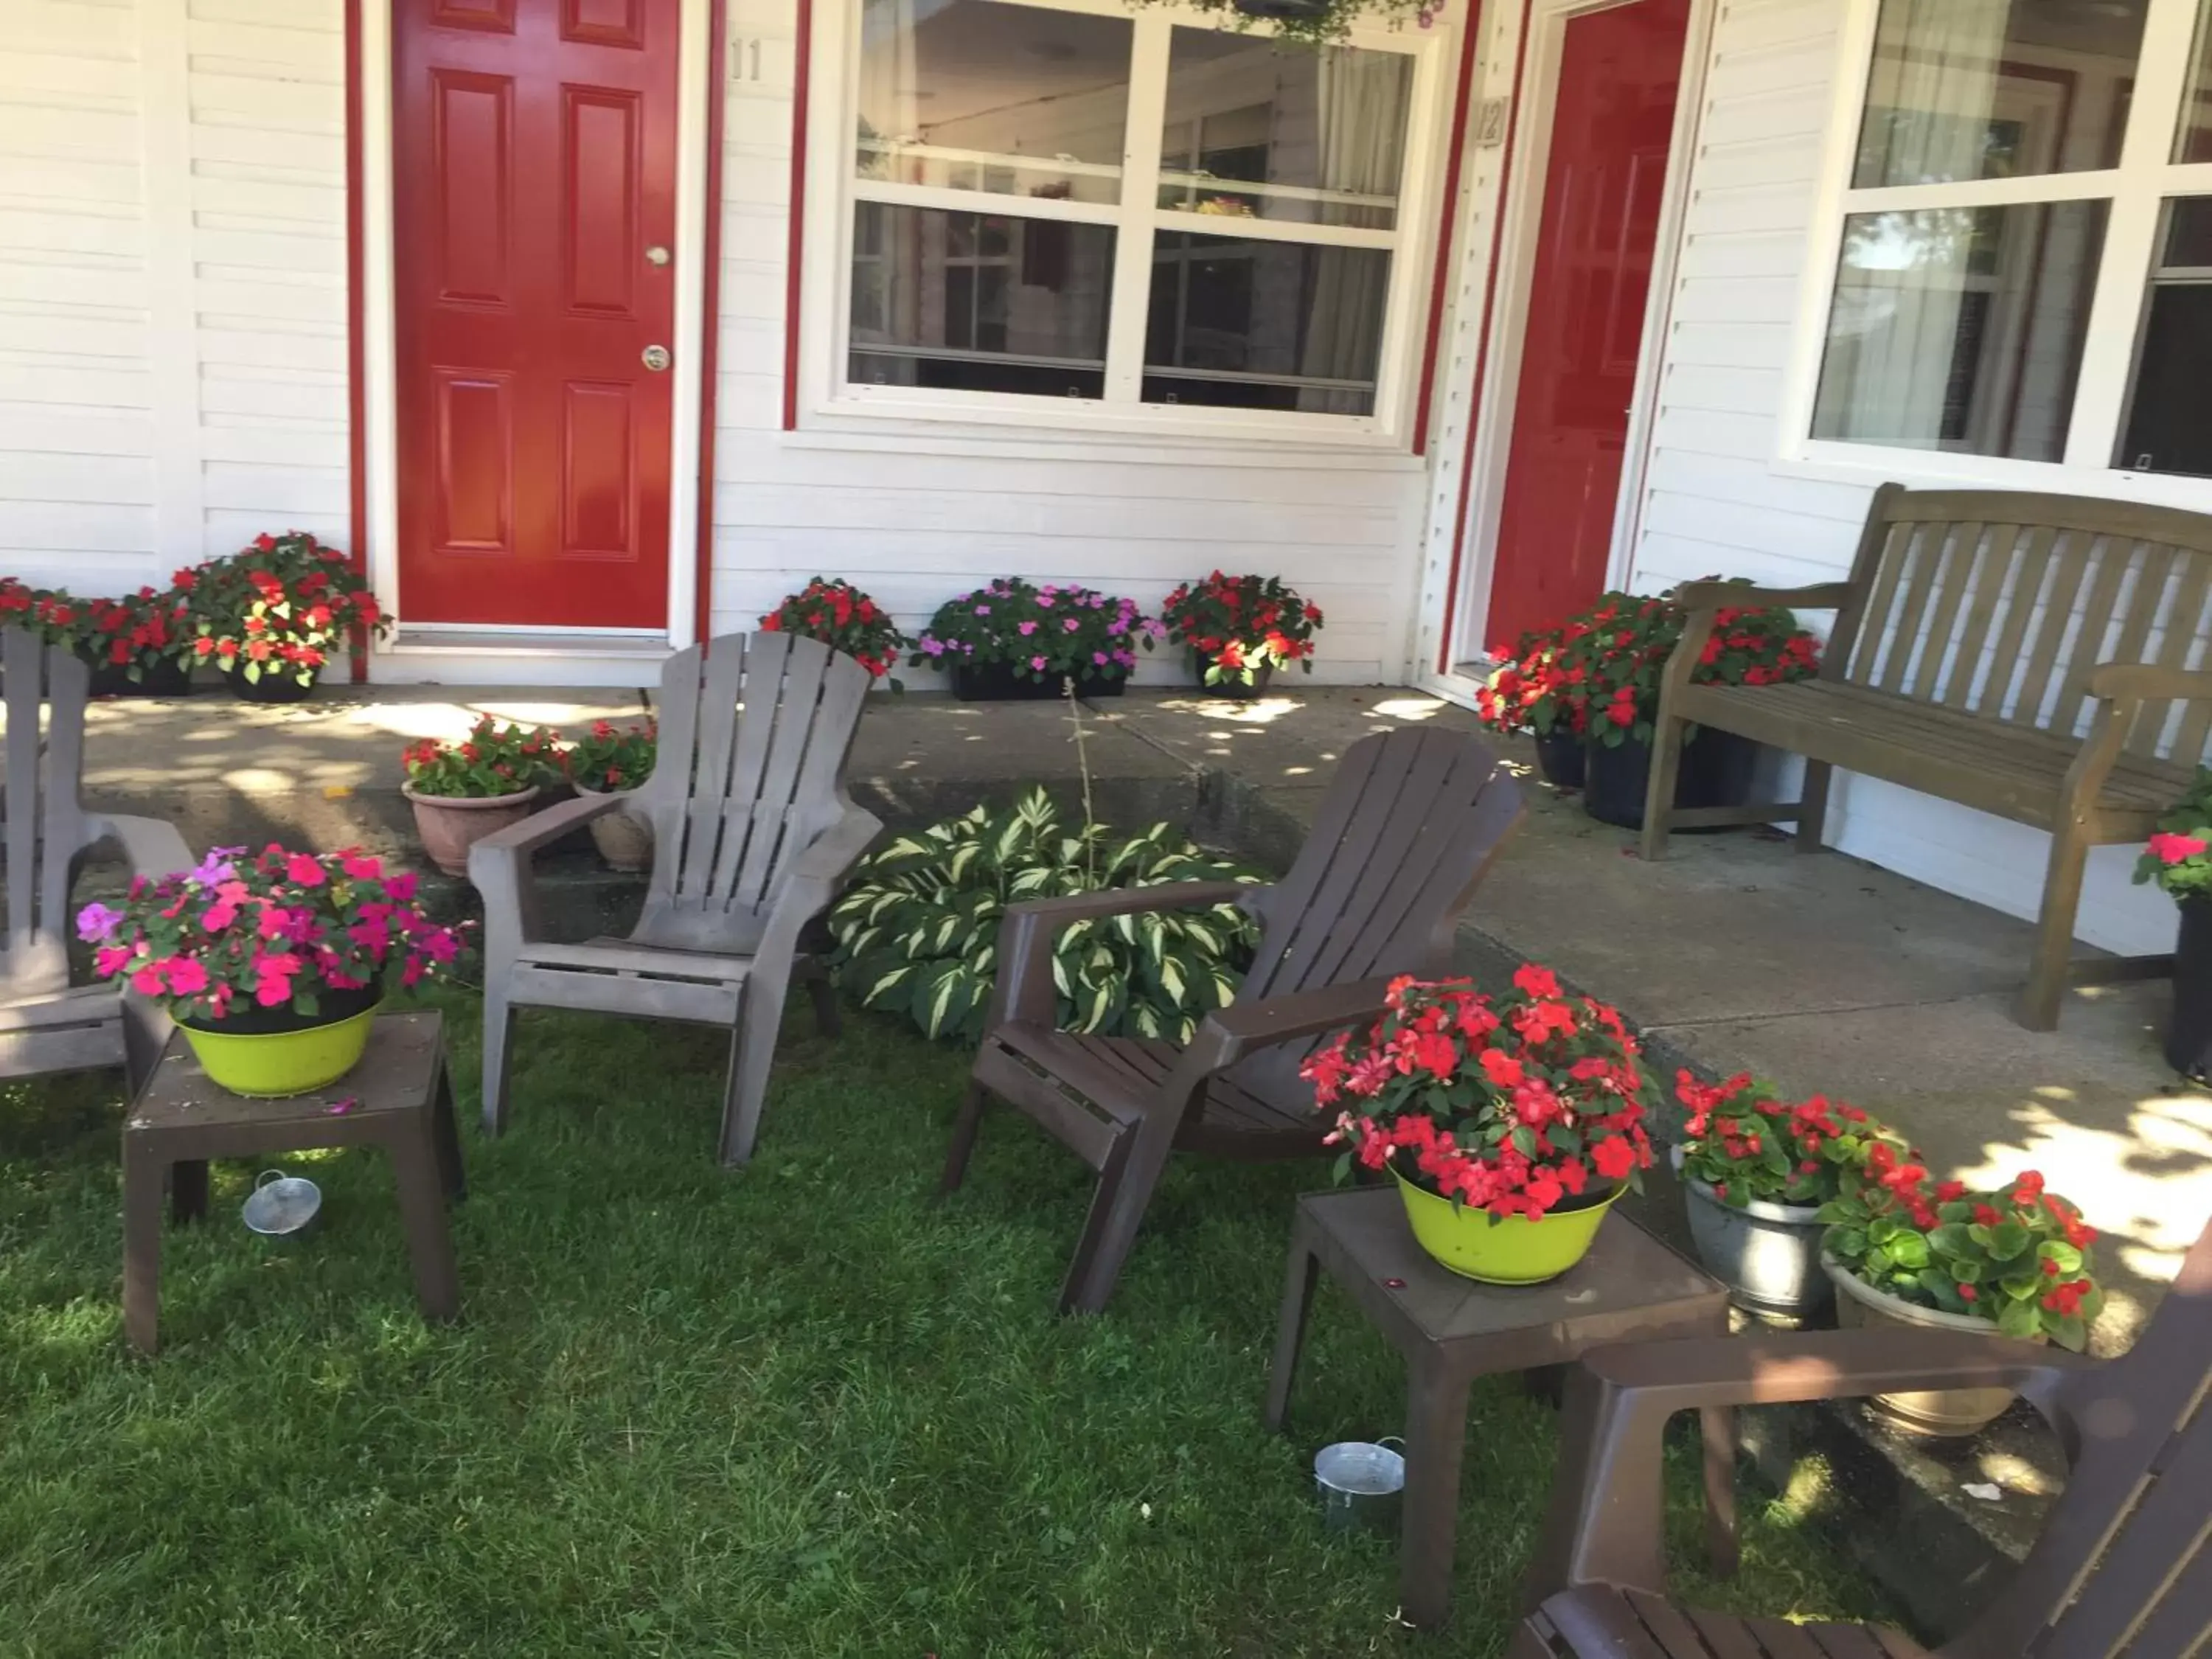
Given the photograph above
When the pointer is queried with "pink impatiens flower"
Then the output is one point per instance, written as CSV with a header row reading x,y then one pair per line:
x,y
305,871
359,866
150,982
1037,662
188,975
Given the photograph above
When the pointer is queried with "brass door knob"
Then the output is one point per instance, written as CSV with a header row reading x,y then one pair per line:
x,y
655,357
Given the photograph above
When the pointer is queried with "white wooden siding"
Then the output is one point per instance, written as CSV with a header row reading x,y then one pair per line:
x,y
917,520
172,281
1714,502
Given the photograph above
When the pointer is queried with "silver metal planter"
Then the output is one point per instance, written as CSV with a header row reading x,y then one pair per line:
x,y
1768,1254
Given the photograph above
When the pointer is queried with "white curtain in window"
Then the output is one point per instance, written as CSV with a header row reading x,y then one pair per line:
x,y
1894,336
1362,113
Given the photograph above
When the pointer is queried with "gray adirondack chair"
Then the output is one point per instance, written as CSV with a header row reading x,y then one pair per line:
x,y
2123,1569
1406,832
46,1023
752,832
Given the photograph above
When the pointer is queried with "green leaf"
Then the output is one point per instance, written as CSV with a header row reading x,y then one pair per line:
x,y
2020,1319
942,997
888,987
2059,1250
2067,1330
1909,1249
1951,1239
2008,1239
1172,981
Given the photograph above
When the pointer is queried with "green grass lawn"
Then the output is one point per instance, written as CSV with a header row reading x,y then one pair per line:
x,y
799,1410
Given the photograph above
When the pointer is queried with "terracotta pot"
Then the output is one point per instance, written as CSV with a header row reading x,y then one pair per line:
x,y
625,843
1950,1413
451,824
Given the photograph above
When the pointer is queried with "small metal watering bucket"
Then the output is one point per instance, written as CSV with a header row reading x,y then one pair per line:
x,y
1361,1483
282,1205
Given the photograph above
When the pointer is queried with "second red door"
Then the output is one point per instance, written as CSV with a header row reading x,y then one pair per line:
x,y
1604,184
534,222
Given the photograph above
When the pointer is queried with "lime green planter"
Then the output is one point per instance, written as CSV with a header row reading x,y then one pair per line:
x,y
268,1064
1502,1250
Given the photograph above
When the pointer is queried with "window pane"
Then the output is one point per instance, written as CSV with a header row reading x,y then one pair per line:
x,y
2194,141
1960,328
1251,324
1255,129
1997,88
973,94
979,302
2166,431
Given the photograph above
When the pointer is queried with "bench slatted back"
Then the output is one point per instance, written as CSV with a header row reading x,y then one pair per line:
x,y
45,827
1999,604
754,733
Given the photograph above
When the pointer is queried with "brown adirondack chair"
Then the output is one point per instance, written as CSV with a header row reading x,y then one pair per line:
x,y
46,1023
752,831
2124,1566
1410,824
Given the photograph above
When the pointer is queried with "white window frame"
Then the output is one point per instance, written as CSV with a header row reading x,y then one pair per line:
x,y
2137,191
828,403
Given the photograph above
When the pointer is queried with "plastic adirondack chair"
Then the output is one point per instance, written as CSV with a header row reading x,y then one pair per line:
x,y
1409,827
46,1023
752,832
2124,1566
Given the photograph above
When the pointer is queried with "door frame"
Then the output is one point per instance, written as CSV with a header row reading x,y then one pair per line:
x,y
1513,251
476,653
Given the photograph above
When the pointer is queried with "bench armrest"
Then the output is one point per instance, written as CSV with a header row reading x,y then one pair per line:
x,y
1227,1035
2142,682
1714,596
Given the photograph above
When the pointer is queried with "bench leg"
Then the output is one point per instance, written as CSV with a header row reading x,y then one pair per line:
x,y
1290,1325
1436,1438
2037,1009
1659,794
416,1172
143,1168
1813,806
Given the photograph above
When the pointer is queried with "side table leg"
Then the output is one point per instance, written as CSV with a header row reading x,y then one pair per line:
x,y
1717,1425
188,1190
415,1168
141,1244
1290,1324
451,1175
1436,1435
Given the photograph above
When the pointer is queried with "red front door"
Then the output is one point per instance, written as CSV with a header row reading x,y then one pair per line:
x,y
534,168
1604,180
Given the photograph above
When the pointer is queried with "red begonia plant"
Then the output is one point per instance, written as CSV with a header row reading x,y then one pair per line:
x,y
1239,625
284,605
833,611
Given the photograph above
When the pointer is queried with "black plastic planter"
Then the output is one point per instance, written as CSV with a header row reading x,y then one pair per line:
x,y
996,682
271,687
2188,1036
1280,10
1715,771
1560,760
166,678
1232,683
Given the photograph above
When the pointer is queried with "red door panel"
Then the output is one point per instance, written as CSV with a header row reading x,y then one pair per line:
x,y
1604,181
534,163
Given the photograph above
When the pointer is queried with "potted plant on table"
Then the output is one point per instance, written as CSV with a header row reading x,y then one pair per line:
x,y
1902,1251
1016,640
273,614
609,760
841,617
464,790
1511,1122
1540,692
1757,1170
273,965
1624,651
1239,629
2179,859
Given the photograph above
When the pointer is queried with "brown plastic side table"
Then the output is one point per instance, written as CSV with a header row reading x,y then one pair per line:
x,y
400,1099
1452,1330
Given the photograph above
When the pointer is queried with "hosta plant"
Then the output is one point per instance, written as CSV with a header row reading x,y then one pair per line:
x,y
2018,1257
917,931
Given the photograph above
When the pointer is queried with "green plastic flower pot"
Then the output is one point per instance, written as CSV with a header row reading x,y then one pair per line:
x,y
1503,1250
269,1065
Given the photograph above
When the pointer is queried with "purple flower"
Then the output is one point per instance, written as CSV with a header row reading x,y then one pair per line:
x,y
1027,627
1098,657
1037,662
1070,624
1156,628
934,647
968,646
982,610
1117,626
217,865
1044,598
97,921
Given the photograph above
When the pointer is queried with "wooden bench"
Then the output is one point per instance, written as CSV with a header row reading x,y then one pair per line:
x,y
2027,655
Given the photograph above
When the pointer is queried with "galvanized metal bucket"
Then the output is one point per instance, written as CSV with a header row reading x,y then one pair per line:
x,y
1362,1484
282,1205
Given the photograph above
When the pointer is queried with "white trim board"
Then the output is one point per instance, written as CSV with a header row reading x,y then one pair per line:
x,y
697,56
